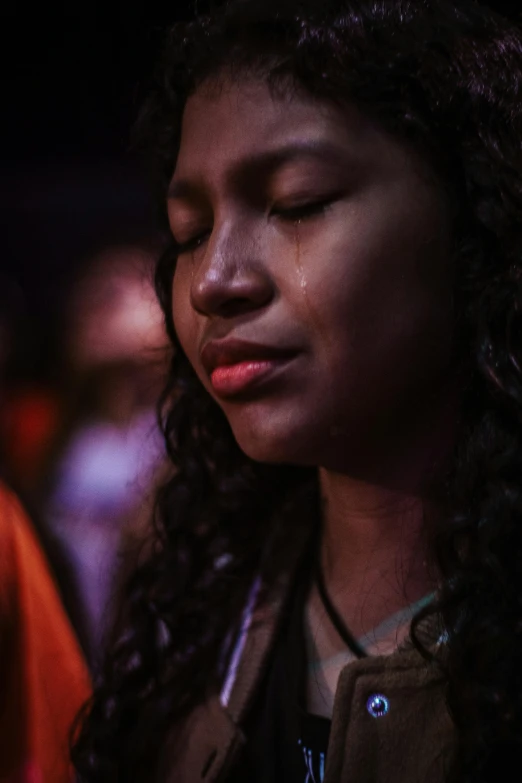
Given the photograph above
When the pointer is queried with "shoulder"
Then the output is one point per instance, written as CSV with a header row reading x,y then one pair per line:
x,y
20,551
39,655
10,512
30,607
13,527
32,619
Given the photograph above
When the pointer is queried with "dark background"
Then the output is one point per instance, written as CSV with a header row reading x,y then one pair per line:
x,y
72,83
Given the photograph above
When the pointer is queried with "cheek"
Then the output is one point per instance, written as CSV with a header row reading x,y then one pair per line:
x,y
378,286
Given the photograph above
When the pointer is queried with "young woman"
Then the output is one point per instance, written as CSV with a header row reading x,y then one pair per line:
x,y
343,291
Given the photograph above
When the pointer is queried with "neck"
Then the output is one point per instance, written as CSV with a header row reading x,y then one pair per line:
x,y
373,549
377,513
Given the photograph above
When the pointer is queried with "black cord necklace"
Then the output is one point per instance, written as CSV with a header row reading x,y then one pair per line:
x,y
335,618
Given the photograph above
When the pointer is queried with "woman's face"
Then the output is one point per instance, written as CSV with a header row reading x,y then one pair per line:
x,y
313,286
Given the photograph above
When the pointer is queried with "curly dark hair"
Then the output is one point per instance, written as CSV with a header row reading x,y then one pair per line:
x,y
446,79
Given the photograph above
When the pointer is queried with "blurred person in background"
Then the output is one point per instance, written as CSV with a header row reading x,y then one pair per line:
x,y
29,410
43,676
33,408
100,486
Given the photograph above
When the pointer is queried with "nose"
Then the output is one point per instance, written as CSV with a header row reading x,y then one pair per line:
x,y
230,278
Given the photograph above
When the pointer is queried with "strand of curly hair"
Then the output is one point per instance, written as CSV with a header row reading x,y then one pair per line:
x,y
447,81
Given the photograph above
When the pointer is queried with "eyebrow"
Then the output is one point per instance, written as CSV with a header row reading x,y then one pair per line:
x,y
263,164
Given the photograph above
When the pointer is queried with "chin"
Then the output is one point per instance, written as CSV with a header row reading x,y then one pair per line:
x,y
274,445
268,453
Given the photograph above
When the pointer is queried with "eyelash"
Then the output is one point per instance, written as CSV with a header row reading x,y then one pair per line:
x,y
191,244
291,214
303,211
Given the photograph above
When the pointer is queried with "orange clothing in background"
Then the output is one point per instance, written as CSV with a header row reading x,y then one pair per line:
x,y
43,678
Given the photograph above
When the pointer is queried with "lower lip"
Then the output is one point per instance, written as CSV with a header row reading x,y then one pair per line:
x,y
231,379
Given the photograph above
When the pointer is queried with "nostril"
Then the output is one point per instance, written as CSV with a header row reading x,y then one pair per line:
x,y
236,306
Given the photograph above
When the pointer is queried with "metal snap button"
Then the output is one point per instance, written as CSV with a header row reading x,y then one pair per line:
x,y
377,705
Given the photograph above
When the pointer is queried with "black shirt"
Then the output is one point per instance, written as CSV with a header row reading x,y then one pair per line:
x,y
284,743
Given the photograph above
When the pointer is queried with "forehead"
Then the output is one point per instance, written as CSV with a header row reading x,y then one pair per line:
x,y
225,122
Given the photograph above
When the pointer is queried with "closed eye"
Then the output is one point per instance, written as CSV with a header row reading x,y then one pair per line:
x,y
291,214
302,211
192,244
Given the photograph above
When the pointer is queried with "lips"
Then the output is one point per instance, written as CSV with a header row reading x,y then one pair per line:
x,y
234,366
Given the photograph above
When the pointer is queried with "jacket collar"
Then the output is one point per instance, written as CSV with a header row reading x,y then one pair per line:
x,y
212,736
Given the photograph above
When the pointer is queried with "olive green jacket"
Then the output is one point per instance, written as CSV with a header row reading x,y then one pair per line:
x,y
411,743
